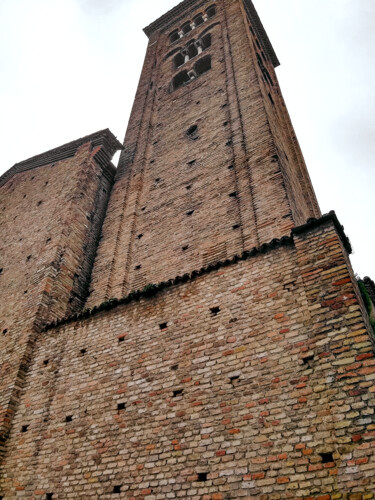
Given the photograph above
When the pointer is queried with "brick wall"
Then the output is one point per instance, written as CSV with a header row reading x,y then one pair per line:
x,y
179,202
51,217
270,395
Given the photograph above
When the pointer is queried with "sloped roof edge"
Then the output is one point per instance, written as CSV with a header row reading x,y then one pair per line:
x,y
102,138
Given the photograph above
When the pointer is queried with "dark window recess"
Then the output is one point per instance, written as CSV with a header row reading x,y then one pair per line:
x,y
198,20
69,418
121,406
1,270
121,339
233,195
271,99
163,326
236,226
5,331
206,41
179,60
211,11
327,458
45,362
180,80
24,428
186,28
137,268
215,311
192,50
192,132
25,292
190,213
267,76
117,489
83,352
258,44
49,496
178,392
203,65
174,368
174,36
202,477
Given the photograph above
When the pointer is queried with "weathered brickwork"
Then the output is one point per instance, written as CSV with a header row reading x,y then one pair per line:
x,y
203,336
181,202
269,396
51,217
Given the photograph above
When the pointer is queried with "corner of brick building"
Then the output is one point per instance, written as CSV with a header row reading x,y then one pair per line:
x,y
52,209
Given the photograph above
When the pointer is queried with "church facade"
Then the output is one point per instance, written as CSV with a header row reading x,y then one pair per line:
x,y
187,325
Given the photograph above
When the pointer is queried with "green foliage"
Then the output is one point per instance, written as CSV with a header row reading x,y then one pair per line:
x,y
367,301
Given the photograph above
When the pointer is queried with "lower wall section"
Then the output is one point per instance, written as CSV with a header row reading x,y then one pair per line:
x,y
254,381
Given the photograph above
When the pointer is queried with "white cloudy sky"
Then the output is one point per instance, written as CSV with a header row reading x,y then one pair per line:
x,y
71,67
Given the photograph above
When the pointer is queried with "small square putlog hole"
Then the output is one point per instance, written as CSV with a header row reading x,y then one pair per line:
x,y
308,359
24,428
178,392
117,489
327,458
215,311
49,496
202,477
121,407
234,380
69,418
163,326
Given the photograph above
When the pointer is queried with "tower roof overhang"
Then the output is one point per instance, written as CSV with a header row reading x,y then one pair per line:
x,y
178,13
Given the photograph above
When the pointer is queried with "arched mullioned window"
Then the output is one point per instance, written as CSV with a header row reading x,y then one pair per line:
x,y
203,65
198,20
179,60
174,36
180,79
206,41
211,11
186,28
192,50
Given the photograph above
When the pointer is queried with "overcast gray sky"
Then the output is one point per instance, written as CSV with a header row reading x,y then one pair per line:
x,y
71,67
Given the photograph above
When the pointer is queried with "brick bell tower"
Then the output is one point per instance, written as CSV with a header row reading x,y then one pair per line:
x,y
211,165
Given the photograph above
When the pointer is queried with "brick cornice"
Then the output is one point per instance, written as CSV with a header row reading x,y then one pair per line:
x,y
104,140
173,16
153,289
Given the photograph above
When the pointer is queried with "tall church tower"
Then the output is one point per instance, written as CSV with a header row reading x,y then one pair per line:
x,y
211,165
238,359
